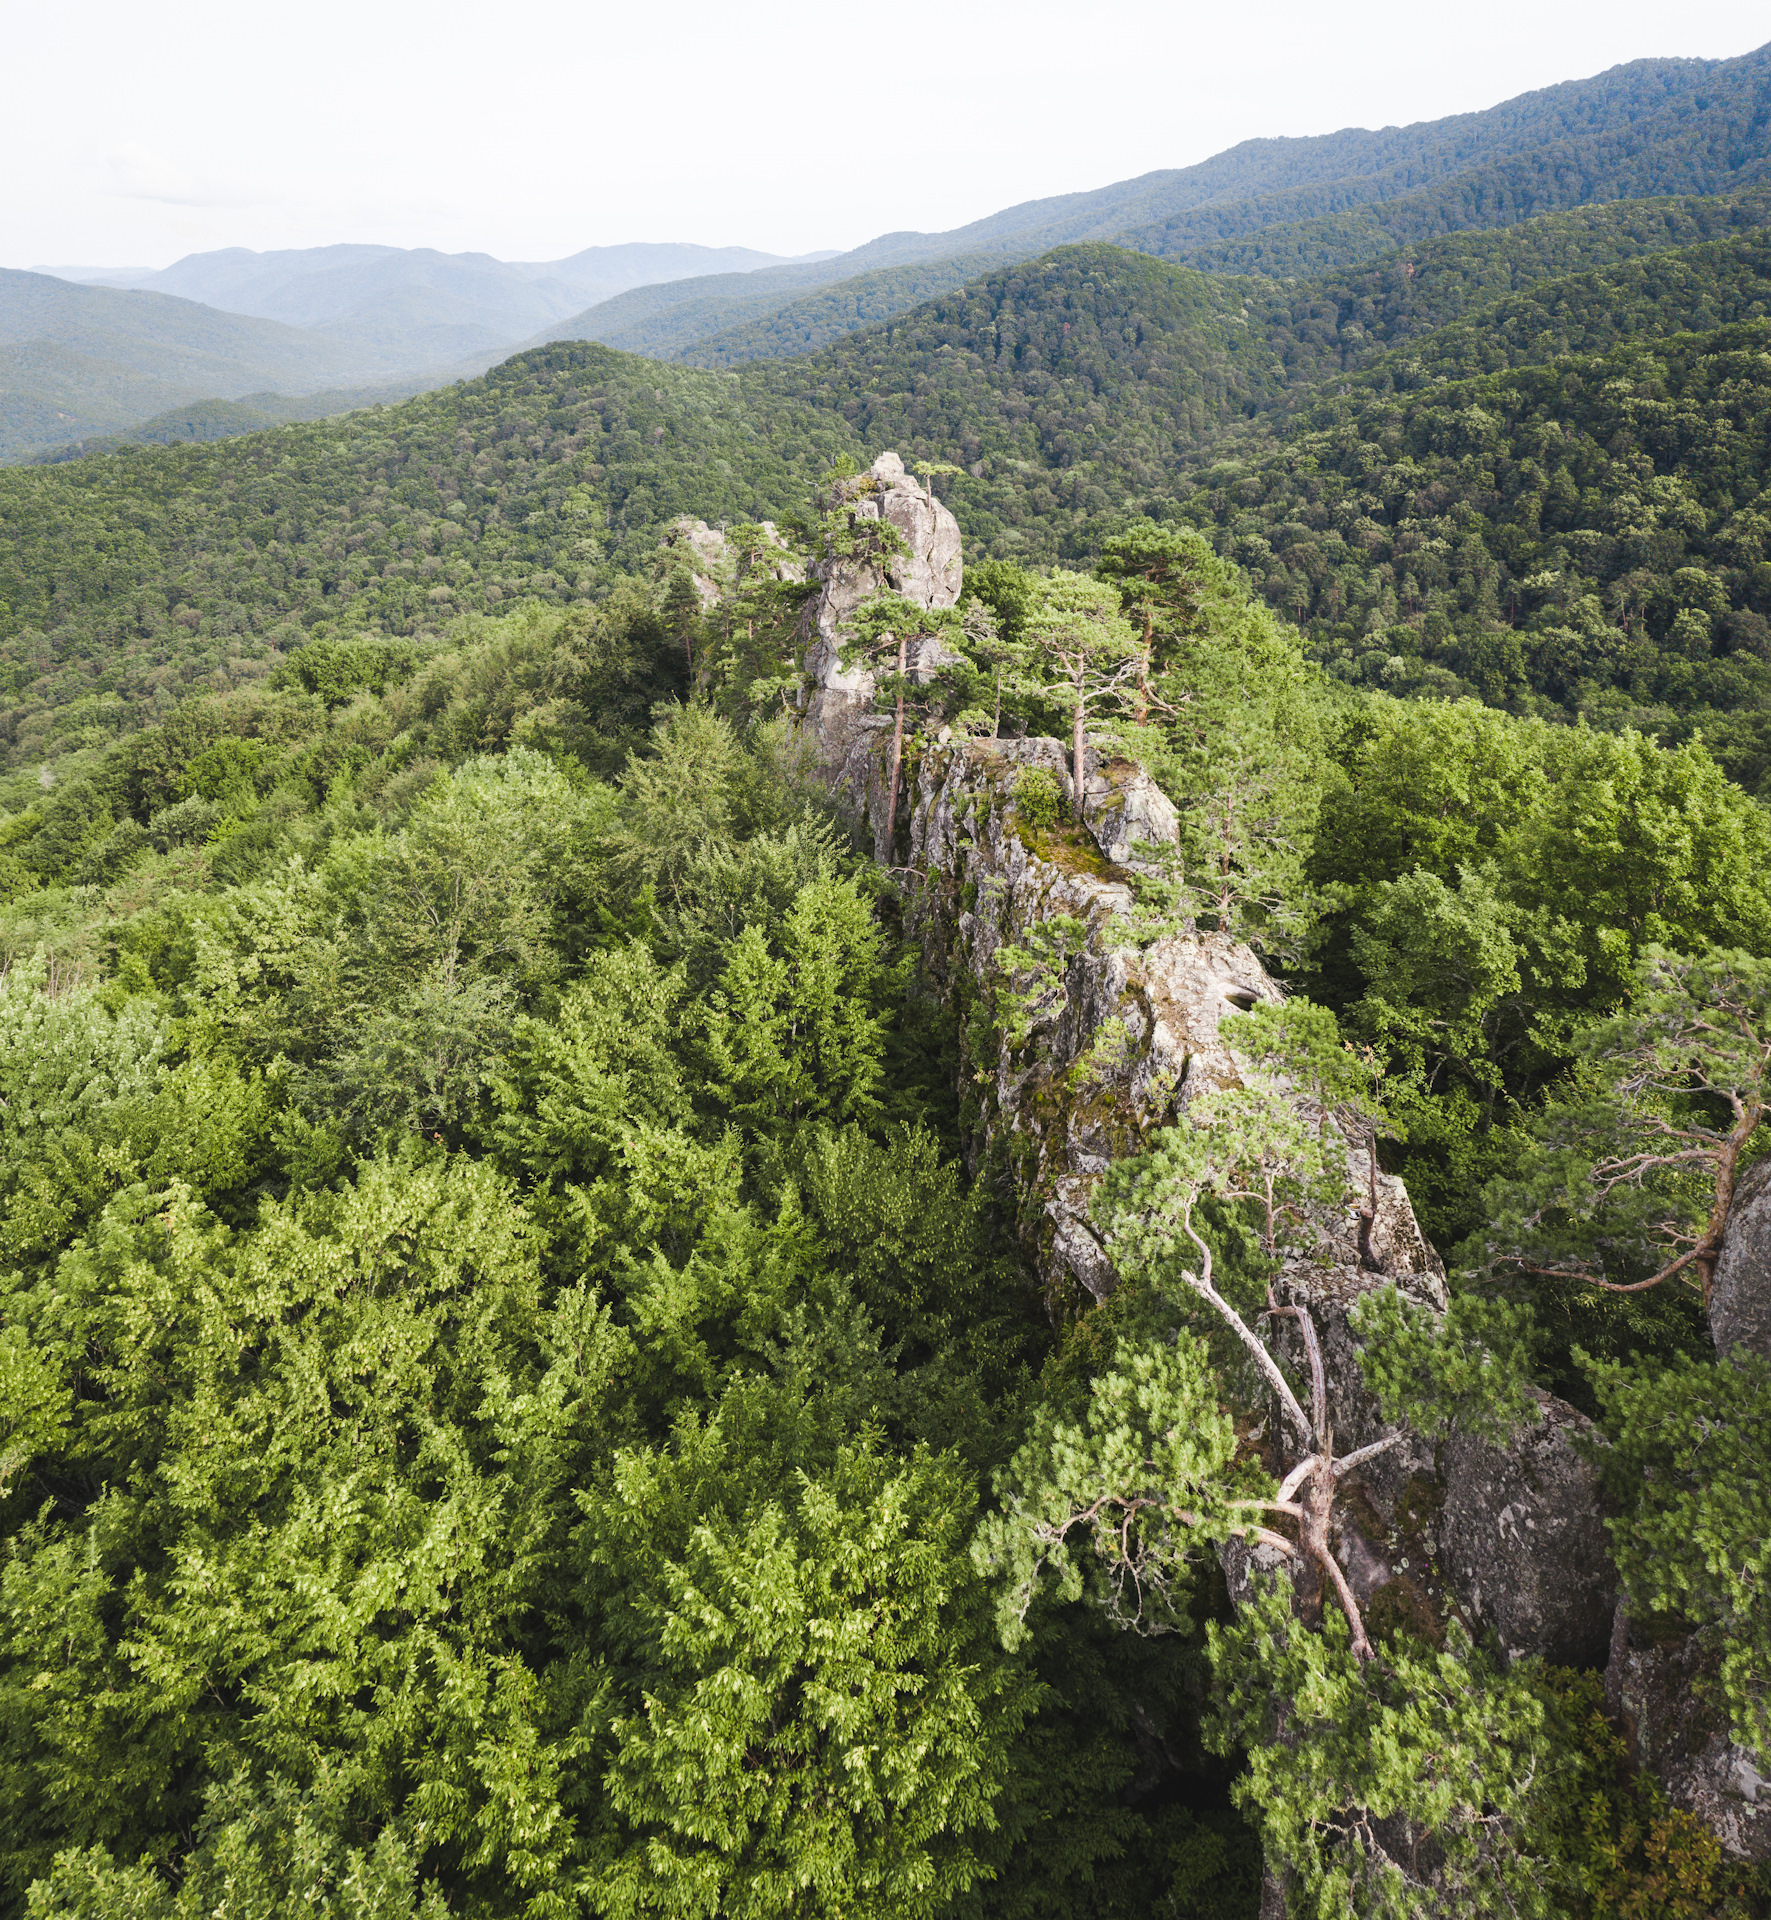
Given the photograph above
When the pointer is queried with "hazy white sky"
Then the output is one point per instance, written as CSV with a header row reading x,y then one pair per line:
x,y
135,133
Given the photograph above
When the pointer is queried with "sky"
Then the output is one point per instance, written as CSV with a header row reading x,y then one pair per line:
x,y
136,134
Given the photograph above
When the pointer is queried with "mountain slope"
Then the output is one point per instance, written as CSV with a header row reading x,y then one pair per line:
x,y
1064,385
1272,206
1590,530
79,361
1651,128
816,319
680,312
311,286
1289,206
1073,389
223,419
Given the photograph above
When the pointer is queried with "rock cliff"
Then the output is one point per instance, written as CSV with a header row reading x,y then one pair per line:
x,y
1740,1295
1119,1040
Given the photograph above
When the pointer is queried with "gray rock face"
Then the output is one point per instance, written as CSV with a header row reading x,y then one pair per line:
x,y
1661,1693
704,548
1740,1294
930,574
1129,1037
1147,1021
1120,1040
1522,1539
712,563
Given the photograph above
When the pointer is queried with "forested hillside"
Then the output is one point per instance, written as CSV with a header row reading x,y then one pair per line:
x,y
512,1392
1066,388
1653,127
816,319
1590,533
1069,391
82,361
129,579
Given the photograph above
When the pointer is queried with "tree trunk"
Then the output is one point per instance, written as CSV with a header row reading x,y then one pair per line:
x,y
897,759
1078,757
1143,706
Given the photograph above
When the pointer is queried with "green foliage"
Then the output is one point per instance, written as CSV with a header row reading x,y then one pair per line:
x,y
1038,796
1689,1444
1469,1367
844,1594
499,1357
1031,971
549,478
1579,535
1496,882
1628,1853
569,1515
1104,1503
1379,1754
792,1033
1632,1161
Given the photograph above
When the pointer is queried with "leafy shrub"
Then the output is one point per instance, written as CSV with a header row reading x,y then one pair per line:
x,y
1039,796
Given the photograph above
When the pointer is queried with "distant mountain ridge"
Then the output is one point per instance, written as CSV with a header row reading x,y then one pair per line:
x,y
1290,206
1283,208
435,304
232,340
82,361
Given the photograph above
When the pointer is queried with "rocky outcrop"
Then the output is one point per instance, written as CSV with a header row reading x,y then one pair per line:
x,y
839,699
703,550
1117,1045
1663,1694
1127,1036
1120,1037
711,563
1740,1293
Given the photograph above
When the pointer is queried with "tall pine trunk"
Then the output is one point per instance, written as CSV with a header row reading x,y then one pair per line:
x,y
1143,706
1078,753
897,759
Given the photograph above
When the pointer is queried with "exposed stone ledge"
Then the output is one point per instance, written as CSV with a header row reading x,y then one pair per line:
x,y
1510,1539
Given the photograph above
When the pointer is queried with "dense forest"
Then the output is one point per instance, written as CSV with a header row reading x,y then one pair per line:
x,y
1069,390
524,1393
505,1363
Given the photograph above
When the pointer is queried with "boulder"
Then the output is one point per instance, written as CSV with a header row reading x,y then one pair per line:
x,y
1522,1539
1662,1693
704,549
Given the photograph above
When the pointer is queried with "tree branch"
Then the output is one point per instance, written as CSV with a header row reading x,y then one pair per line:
x,y
1201,1285
1358,1457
